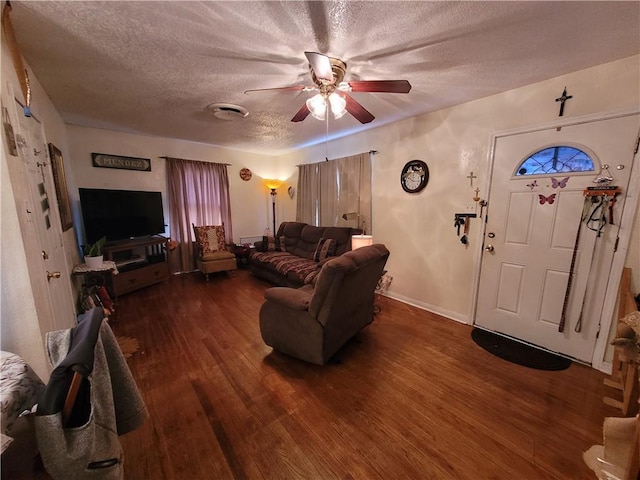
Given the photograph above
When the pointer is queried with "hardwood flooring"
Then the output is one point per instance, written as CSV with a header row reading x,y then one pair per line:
x,y
410,397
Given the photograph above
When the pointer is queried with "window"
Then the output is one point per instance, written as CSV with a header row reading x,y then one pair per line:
x,y
557,159
198,195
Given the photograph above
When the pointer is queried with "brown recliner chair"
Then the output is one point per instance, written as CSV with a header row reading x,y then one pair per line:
x,y
312,322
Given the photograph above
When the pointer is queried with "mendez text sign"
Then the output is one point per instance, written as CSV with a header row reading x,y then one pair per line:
x,y
117,161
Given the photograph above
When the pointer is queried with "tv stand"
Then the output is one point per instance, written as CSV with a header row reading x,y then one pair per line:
x,y
138,271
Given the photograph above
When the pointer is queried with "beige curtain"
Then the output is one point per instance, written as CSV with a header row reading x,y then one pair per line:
x,y
308,193
198,195
328,190
328,195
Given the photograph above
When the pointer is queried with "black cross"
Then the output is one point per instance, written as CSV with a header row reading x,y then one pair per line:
x,y
471,176
563,99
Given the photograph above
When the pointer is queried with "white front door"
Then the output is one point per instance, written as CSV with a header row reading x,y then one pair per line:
x,y
531,230
43,213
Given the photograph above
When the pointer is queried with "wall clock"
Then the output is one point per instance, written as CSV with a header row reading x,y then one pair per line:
x,y
415,176
245,174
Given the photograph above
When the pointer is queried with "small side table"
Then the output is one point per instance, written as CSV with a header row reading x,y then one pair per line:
x,y
102,275
104,271
107,266
242,252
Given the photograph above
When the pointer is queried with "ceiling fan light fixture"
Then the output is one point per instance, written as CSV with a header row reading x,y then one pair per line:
x,y
317,106
338,105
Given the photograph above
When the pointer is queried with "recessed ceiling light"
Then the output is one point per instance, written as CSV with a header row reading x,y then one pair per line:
x,y
227,111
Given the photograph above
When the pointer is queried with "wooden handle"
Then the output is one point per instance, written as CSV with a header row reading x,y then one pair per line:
x,y
70,401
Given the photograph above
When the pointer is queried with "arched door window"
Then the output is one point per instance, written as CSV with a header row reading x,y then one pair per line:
x,y
556,159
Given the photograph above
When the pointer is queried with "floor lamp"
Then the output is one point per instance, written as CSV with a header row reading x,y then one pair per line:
x,y
273,185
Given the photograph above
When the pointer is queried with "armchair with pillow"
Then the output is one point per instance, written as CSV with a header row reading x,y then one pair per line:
x,y
212,253
312,322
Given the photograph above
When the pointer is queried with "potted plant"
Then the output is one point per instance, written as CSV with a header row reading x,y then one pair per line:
x,y
93,253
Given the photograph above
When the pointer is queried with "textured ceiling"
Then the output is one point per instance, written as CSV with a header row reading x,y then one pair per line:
x,y
152,67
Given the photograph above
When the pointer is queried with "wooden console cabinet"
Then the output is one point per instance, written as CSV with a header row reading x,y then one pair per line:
x,y
148,266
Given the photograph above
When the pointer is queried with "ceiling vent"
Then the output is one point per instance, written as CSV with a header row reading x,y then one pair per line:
x,y
227,111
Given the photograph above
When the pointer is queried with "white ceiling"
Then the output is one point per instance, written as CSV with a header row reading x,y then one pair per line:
x,y
152,67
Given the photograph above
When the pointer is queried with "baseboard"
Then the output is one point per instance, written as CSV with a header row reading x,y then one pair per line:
x,y
431,308
604,367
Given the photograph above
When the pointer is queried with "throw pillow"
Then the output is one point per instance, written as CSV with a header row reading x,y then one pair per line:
x,y
281,241
210,238
269,244
326,248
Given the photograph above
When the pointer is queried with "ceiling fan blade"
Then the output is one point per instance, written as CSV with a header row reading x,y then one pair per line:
x,y
301,114
294,88
358,111
321,66
381,86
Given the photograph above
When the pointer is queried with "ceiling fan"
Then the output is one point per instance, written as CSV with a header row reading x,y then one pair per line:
x,y
328,74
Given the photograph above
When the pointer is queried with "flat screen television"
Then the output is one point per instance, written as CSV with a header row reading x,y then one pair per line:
x,y
120,214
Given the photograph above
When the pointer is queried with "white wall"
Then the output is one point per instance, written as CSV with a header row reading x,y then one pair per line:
x,y
250,200
429,266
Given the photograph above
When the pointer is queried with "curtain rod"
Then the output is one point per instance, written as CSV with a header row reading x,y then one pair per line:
x,y
372,152
189,160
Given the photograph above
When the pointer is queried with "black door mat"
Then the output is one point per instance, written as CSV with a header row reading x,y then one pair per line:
x,y
519,353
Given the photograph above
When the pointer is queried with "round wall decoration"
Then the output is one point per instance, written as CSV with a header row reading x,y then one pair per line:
x,y
414,176
245,174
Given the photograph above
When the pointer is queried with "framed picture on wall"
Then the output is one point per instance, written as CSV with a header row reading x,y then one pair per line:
x,y
60,182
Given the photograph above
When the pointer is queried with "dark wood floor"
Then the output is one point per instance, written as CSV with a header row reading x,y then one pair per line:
x,y
412,397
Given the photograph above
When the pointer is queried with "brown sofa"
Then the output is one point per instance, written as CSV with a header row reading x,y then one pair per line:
x,y
292,262
312,322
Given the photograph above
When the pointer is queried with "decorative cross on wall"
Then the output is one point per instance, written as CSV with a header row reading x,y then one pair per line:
x,y
563,99
471,176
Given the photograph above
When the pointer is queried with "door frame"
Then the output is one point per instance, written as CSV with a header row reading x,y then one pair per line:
x,y
626,224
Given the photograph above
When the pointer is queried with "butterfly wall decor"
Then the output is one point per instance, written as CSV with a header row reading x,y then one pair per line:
x,y
533,184
550,199
555,183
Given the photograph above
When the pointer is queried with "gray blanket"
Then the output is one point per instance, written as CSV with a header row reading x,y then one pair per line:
x,y
92,450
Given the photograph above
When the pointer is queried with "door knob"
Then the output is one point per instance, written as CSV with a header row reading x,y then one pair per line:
x,y
489,248
51,275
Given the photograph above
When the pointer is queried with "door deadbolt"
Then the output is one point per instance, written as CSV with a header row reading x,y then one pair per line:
x,y
491,235
51,275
